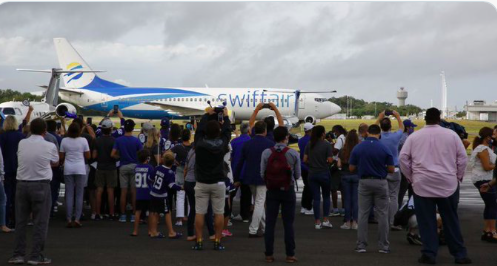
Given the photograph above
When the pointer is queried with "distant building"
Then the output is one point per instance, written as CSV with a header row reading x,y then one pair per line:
x,y
402,96
480,110
368,117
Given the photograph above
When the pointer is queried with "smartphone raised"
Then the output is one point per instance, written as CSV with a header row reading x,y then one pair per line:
x,y
81,117
388,112
116,108
89,121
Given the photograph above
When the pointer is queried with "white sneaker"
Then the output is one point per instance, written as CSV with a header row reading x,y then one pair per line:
x,y
230,223
345,226
327,224
354,226
317,226
238,218
302,210
179,223
309,212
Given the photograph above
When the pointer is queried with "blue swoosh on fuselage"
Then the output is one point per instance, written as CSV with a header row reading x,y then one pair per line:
x,y
125,91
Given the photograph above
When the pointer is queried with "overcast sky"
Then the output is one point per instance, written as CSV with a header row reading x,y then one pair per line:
x,y
367,50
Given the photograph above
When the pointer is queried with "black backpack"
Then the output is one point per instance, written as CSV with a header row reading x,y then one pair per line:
x,y
460,130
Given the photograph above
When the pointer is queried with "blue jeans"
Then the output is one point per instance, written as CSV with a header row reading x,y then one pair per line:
x,y
350,184
287,201
3,203
320,183
427,223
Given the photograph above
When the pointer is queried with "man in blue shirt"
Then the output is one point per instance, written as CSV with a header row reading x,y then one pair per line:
x,y
373,161
236,154
125,149
391,140
306,202
251,162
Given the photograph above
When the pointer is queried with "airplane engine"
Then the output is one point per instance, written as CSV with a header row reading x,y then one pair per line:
x,y
63,109
310,119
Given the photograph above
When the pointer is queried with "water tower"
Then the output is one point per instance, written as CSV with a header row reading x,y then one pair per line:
x,y
402,96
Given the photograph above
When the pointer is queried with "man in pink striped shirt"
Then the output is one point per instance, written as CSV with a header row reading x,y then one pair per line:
x,y
434,159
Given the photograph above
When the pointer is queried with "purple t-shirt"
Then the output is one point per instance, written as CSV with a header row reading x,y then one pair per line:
x,y
127,146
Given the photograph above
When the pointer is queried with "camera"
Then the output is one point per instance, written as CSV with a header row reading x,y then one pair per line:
x,y
116,109
388,112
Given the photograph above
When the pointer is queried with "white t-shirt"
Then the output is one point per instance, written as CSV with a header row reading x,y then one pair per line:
x,y
339,144
74,149
477,171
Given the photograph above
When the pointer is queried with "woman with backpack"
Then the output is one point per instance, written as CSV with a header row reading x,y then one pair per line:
x,y
481,163
318,156
350,181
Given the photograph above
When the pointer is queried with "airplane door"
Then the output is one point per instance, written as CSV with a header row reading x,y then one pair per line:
x,y
104,102
302,101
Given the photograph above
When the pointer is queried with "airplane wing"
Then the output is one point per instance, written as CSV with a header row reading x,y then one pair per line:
x,y
179,110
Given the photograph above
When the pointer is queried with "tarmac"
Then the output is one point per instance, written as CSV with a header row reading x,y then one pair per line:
x,y
108,243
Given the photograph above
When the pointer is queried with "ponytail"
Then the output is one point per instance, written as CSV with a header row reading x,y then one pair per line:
x,y
483,134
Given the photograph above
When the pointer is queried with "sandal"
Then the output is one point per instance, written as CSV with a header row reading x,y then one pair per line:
x,y
176,236
218,246
292,259
77,224
198,246
160,235
269,259
191,238
133,235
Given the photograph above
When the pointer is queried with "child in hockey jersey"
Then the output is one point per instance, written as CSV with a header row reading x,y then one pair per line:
x,y
144,172
163,182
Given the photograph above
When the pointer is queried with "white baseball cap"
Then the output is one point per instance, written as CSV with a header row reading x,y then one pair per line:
x,y
107,123
146,127
308,126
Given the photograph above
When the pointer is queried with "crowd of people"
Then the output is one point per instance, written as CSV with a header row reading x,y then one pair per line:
x,y
164,174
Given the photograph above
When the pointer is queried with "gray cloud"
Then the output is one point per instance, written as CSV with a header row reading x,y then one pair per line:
x,y
367,50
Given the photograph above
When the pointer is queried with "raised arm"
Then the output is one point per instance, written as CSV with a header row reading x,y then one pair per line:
x,y
226,127
254,115
399,120
380,117
200,132
279,118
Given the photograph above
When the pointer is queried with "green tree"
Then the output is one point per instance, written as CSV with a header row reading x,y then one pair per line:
x,y
359,107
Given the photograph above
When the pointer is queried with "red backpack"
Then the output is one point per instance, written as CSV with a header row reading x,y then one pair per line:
x,y
278,173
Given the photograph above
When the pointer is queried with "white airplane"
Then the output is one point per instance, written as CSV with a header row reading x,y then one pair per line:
x,y
84,88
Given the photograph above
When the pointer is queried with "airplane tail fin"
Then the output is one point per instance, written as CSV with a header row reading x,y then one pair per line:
x,y
69,59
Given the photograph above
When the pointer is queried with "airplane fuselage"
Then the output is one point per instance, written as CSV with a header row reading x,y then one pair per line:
x,y
242,101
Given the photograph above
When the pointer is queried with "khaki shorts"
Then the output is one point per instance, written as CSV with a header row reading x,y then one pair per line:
x,y
106,178
209,192
127,176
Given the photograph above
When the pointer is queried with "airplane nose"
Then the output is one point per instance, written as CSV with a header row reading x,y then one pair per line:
x,y
335,109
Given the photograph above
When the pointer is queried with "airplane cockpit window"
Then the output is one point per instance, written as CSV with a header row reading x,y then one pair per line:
x,y
9,111
320,100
